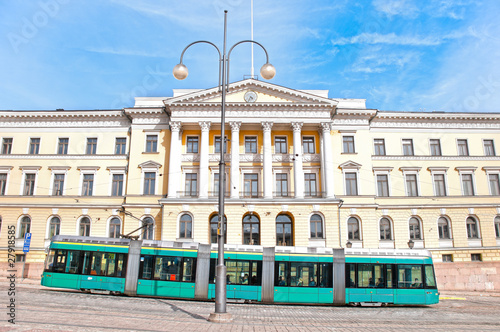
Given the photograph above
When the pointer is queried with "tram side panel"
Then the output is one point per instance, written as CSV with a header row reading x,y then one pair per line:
x,y
267,290
339,277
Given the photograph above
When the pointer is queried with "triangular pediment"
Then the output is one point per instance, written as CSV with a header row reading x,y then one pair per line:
x,y
150,164
252,91
350,165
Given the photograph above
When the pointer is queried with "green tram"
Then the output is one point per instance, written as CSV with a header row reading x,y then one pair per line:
x,y
254,273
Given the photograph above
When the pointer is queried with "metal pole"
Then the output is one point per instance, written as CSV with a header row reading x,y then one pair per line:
x,y
220,282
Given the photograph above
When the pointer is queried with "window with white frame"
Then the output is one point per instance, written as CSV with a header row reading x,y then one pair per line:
x,y
348,144
472,228
497,226
115,227
379,146
353,229
282,184
385,226
217,144
251,184
148,230
3,183
62,145
435,146
444,228
489,148
412,188
311,185
316,225
24,226
382,185
494,181
250,144
186,226
467,184
54,227
251,229
408,147
149,183
280,145
308,145
192,144
151,143
462,147
117,184
34,147
91,145
439,184
415,229
120,145
58,184
88,185
351,183
84,226
7,145
29,184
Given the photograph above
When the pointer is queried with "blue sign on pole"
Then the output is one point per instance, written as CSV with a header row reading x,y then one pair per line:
x,y
27,242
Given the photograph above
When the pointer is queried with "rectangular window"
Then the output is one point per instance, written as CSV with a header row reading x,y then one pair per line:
x,y
62,147
379,144
408,147
251,144
250,185
494,184
88,184
7,145
151,143
411,185
281,184
410,276
3,183
191,184
489,148
348,144
310,184
280,145
58,188
308,145
34,145
463,148
468,187
92,145
29,185
217,145
439,185
351,184
382,185
447,258
192,144
435,147
476,257
149,183
117,186
120,145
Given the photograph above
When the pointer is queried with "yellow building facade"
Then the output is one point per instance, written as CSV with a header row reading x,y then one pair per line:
x,y
302,169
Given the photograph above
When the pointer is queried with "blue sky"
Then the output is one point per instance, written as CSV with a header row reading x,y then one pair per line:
x,y
399,55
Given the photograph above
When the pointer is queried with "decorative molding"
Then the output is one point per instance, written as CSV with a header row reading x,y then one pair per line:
x,y
65,156
471,210
284,208
59,168
414,212
251,157
283,158
205,125
185,207
311,158
465,169
350,165
235,125
190,157
439,158
216,157
315,207
297,126
149,164
175,126
326,127
266,126
443,211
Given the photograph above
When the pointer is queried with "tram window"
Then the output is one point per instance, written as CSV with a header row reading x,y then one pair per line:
x,y
87,258
167,268
378,276
120,265
49,263
73,262
98,264
59,261
389,276
350,275
189,269
325,275
111,264
430,281
365,276
304,274
410,276
146,267
282,275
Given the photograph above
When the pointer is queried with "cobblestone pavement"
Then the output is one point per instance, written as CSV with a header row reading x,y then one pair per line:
x,y
47,309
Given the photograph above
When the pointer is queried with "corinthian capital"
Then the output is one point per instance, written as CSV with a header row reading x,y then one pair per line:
x,y
326,126
235,125
266,126
297,126
205,125
175,126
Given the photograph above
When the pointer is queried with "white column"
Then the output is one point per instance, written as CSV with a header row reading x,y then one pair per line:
x,y
235,158
268,160
174,168
203,190
298,172
328,157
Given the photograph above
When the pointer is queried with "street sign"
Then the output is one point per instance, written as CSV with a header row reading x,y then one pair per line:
x,y
27,242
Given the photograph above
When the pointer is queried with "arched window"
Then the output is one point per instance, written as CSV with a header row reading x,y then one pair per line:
x,y
114,228
251,229
415,232
472,228
316,224
284,230
54,227
214,225
497,226
148,231
25,226
444,228
353,228
186,227
385,229
84,229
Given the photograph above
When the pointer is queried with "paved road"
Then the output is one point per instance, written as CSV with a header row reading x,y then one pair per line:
x,y
45,309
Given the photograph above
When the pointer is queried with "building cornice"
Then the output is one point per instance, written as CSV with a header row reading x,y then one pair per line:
x,y
439,158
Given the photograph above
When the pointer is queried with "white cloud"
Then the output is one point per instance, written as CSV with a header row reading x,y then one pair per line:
x,y
396,7
407,40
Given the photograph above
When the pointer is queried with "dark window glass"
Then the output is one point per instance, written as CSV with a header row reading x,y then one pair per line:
x,y
310,184
186,226
251,230
217,145
411,185
494,184
348,144
91,145
114,228
191,184
308,145
408,147
120,145
489,148
379,144
34,146
58,188
281,184
351,184
192,144
385,229
280,145
467,185
117,187
316,225
151,143
29,184
435,145
444,228
382,185
88,184
54,226
439,185
7,145
84,227
463,148
410,276
3,183
214,225
251,185
149,183
25,226
284,230
472,228
353,229
148,230
62,147
415,233
250,144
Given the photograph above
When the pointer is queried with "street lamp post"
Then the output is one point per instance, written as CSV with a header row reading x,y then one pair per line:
x,y
181,72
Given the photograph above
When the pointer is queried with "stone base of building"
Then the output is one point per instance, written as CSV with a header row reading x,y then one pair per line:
x,y
31,270
468,276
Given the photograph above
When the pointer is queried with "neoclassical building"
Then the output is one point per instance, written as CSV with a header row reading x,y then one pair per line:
x,y
302,169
